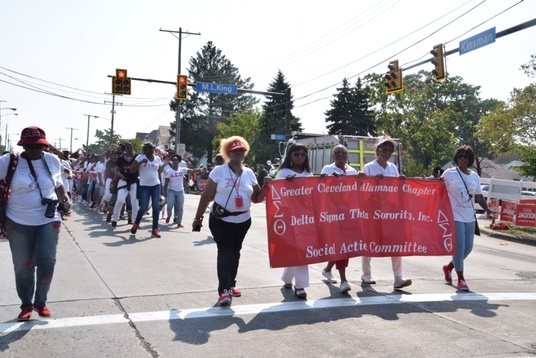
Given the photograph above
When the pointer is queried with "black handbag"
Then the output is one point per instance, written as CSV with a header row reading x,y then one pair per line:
x,y
219,211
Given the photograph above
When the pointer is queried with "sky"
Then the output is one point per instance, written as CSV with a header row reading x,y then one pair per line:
x,y
56,56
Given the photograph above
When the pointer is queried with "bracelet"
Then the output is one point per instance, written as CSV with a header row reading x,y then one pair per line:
x,y
199,219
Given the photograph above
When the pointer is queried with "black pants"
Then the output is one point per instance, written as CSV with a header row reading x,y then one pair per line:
x,y
229,238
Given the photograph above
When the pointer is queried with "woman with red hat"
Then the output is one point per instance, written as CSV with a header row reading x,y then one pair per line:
x,y
33,221
233,187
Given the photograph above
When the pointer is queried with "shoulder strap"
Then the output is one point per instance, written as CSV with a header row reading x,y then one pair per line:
x,y
13,161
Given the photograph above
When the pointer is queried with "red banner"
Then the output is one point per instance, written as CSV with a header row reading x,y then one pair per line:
x,y
316,219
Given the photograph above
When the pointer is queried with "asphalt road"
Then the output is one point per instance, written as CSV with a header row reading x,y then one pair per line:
x,y
116,295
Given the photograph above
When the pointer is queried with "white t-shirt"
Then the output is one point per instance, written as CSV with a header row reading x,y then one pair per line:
x,y
149,171
176,178
462,205
224,178
333,168
282,174
24,205
374,168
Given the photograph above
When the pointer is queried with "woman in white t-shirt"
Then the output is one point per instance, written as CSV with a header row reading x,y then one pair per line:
x,y
234,187
463,186
381,167
295,165
150,167
174,188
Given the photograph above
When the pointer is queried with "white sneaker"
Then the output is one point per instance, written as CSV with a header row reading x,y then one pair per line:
x,y
345,287
368,279
401,283
328,276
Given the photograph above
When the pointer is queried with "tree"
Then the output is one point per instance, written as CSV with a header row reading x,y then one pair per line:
x,y
203,111
430,118
244,124
529,159
350,113
274,119
103,141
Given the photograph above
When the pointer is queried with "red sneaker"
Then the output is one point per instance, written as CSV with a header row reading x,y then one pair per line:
x,y
25,315
180,225
167,220
134,229
225,298
156,234
42,311
462,286
448,273
235,292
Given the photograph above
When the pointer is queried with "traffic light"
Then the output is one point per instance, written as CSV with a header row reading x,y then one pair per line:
x,y
182,88
393,79
121,83
439,62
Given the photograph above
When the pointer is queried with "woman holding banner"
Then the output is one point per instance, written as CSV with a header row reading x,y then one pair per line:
x,y
381,167
462,185
295,165
338,167
233,187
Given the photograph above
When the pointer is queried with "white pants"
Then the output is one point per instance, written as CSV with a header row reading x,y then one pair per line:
x,y
122,196
396,261
299,273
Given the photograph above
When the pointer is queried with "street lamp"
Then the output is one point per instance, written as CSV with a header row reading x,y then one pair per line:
x,y
5,139
88,118
13,109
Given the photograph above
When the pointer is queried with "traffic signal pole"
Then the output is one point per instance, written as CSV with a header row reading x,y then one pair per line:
x,y
179,103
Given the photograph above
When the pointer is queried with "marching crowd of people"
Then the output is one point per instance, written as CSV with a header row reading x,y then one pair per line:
x,y
38,185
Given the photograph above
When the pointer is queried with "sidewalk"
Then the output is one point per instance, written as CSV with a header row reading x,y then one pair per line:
x,y
501,234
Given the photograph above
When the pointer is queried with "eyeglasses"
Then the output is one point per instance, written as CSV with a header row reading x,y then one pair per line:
x,y
299,154
386,149
462,156
342,152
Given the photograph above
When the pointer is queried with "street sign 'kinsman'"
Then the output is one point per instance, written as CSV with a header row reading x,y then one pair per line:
x,y
480,40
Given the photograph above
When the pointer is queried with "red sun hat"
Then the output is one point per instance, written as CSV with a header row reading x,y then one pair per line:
x,y
236,145
33,135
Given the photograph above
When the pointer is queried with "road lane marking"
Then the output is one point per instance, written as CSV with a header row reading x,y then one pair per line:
x,y
237,310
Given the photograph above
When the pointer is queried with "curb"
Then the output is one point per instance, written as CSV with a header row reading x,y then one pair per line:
x,y
484,227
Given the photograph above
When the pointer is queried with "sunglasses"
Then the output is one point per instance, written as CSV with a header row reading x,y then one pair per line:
x,y
34,146
462,156
337,152
299,154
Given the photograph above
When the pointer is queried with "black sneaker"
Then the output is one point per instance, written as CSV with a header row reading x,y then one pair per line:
x,y
108,217
114,223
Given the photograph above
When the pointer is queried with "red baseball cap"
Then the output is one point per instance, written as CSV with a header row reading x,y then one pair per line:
x,y
236,145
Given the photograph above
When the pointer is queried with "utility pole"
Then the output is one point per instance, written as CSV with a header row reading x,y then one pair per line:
x,y
179,103
88,118
71,147
113,112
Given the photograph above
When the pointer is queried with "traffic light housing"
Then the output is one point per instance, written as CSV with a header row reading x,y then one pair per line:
x,y
438,61
393,79
182,88
121,83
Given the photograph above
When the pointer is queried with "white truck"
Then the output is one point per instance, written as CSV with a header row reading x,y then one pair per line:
x,y
360,149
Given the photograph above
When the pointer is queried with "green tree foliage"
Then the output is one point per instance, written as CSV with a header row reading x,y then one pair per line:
x,y
245,124
203,111
349,113
529,160
430,118
274,119
103,142
513,123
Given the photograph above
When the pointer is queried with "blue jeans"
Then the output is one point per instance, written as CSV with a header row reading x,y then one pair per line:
x,y
465,237
33,247
175,199
146,193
